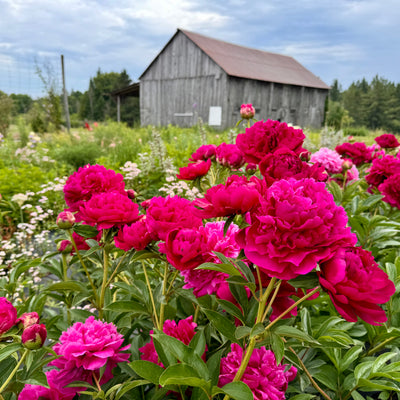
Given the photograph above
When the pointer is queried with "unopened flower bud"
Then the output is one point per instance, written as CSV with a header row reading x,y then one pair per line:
x,y
131,194
65,246
27,319
305,156
247,111
347,164
34,336
65,220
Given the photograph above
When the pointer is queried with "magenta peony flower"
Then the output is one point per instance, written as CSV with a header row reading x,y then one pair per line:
x,y
109,209
284,163
329,159
203,153
296,226
357,152
266,379
8,315
387,141
90,180
381,169
183,331
247,111
207,281
237,196
356,285
27,319
390,189
229,155
167,213
34,336
135,236
194,170
186,248
265,137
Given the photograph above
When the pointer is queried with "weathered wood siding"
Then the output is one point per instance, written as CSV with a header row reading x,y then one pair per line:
x,y
288,103
181,85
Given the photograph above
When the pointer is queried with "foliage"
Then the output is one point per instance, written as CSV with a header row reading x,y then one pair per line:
x,y
6,107
22,103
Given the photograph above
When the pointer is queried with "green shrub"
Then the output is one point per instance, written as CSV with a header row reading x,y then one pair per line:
x,y
356,131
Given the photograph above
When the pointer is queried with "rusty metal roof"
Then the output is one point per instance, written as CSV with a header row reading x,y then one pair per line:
x,y
244,62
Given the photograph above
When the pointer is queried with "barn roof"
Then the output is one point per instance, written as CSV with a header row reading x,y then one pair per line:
x,y
244,62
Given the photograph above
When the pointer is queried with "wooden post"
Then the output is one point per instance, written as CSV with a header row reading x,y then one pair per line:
x,y
118,109
66,108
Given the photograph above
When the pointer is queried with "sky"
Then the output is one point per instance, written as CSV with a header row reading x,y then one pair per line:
x,y
335,39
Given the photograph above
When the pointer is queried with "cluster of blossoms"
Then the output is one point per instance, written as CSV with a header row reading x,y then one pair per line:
x,y
84,349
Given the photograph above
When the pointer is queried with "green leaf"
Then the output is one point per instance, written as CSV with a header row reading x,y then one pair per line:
x,y
278,347
327,375
381,361
86,231
123,388
350,356
236,390
242,331
9,349
198,343
225,268
126,306
147,370
67,286
291,331
363,370
305,320
257,329
336,191
228,222
309,281
246,271
213,365
183,374
303,396
357,396
231,309
221,324
377,385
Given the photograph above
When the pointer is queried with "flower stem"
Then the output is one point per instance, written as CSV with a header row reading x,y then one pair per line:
x,y
116,269
14,371
151,296
71,238
104,284
164,299
271,301
97,382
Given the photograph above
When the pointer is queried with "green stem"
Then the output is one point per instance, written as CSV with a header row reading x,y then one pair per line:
x,y
272,300
151,297
65,267
380,346
104,284
13,372
71,238
116,269
164,298
97,382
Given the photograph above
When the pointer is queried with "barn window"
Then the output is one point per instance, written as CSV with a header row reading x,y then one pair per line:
x,y
215,116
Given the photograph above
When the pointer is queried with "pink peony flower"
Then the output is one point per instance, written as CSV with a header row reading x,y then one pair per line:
x,y
8,315
284,163
229,155
266,379
207,281
90,180
265,137
109,209
135,236
356,285
357,152
296,226
329,159
27,319
34,336
381,169
183,331
194,170
387,141
167,213
65,220
390,189
203,153
85,348
237,196
247,111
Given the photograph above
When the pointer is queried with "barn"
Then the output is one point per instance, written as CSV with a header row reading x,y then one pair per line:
x,y
195,76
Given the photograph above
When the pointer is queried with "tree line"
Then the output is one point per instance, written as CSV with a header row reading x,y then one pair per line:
x,y
373,105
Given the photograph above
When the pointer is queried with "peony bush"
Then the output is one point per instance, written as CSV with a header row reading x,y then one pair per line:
x,y
279,280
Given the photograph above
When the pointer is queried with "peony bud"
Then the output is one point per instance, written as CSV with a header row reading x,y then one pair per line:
x,y
131,194
8,315
65,246
34,336
247,111
347,164
27,319
65,220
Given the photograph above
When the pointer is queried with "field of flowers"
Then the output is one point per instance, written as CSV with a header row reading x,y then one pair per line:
x,y
259,263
